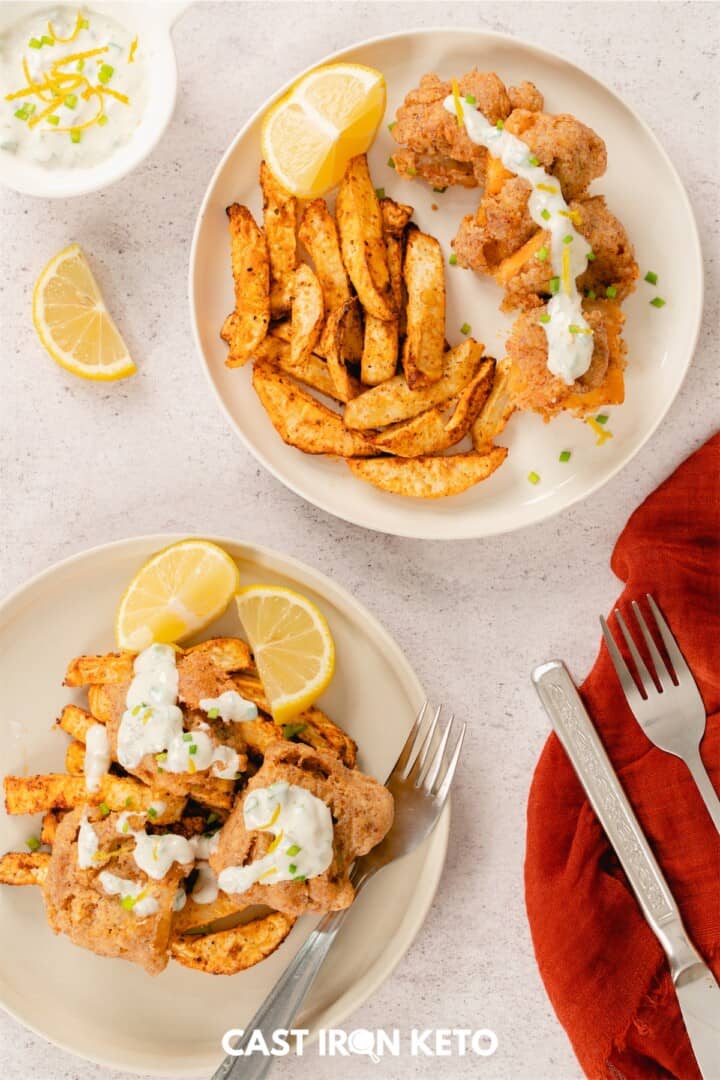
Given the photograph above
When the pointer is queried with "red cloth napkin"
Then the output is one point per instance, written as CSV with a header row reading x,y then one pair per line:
x,y
603,968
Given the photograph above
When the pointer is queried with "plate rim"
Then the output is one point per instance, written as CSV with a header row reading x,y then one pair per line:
x,y
362,989
428,530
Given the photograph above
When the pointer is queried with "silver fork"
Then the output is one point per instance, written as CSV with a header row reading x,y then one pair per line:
x,y
420,784
667,705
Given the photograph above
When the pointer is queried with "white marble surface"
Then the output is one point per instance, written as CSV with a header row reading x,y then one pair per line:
x,y
83,464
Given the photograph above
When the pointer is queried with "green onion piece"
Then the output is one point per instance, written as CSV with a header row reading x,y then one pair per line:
x,y
590,294
471,99
602,418
83,23
213,714
544,319
567,239
500,125
554,285
591,256
565,455
47,40
212,818
300,877
70,101
33,843
293,850
102,120
75,135
453,259
465,328
35,43
651,277
658,302
125,828
192,749
391,163
80,64
188,736
152,812
574,328
533,478
291,730
410,172
440,190
545,214
105,73
380,192
533,160
292,867
542,254
161,757
392,124
104,809
128,902
25,111
611,292
128,803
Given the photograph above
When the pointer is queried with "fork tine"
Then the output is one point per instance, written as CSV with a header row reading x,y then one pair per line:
x,y
647,682
672,648
444,788
410,741
661,670
430,774
627,682
415,766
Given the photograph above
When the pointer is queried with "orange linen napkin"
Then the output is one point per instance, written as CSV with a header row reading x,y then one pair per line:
x,y
603,968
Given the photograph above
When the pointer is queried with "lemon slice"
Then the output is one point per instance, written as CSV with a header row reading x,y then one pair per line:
x,y
328,116
292,645
73,323
178,591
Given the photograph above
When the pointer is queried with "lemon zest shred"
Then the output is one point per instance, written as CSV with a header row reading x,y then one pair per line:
x,y
80,56
547,187
566,271
601,432
113,93
74,34
458,104
272,870
81,127
54,104
273,819
275,842
131,53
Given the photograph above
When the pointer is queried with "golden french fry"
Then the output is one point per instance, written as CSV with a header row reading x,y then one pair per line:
x,y
313,371
51,820
58,791
229,951
470,402
307,315
321,733
393,400
24,868
192,915
424,273
424,434
395,217
248,324
108,668
318,233
362,241
429,477
380,351
280,224
337,342
497,409
227,654
100,702
226,332
76,721
302,421
75,759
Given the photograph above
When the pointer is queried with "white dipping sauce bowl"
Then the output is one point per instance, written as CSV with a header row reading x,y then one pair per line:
x,y
152,23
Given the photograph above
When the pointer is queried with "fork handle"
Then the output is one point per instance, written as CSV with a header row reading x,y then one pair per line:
x,y
704,784
283,1002
582,744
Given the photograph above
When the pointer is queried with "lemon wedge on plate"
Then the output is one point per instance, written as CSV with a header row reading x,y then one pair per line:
x,y
73,323
292,645
179,591
329,115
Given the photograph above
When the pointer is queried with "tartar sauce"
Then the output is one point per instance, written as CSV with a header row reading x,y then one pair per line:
x,y
230,707
87,843
303,830
97,756
132,894
156,854
205,889
153,722
73,87
569,337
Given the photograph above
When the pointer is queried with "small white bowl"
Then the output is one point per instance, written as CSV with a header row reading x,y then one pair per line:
x,y
152,23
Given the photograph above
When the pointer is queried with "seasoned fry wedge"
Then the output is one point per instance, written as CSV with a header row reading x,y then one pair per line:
x,y
395,217
229,951
470,402
362,241
424,273
302,421
50,822
57,791
318,233
321,733
313,371
76,721
429,477
497,409
280,224
193,915
337,342
307,315
100,703
260,734
380,351
424,434
108,668
393,400
24,868
75,759
226,332
251,274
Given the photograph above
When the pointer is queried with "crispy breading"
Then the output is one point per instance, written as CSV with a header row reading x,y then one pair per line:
x,y
227,952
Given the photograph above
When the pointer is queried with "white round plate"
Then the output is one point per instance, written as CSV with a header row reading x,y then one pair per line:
x,y
642,188
111,1011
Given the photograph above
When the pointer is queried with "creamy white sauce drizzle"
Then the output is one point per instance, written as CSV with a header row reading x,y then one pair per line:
x,y
206,888
155,854
87,843
569,351
97,756
179,900
230,707
124,888
303,830
153,722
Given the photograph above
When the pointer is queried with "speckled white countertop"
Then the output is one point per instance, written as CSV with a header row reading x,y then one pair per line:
x,y
82,464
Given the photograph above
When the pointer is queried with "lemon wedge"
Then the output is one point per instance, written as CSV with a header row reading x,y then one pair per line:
x,y
328,116
73,323
292,645
179,590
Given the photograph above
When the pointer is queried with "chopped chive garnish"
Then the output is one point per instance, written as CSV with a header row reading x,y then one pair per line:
x,y
125,828
471,99
25,111
35,43
611,292
213,714
500,125
128,803
70,101
545,214
565,455
102,120
544,319
104,809
567,239
453,259
440,190
658,302
533,478
542,254
554,285
392,124
106,73
602,418
83,23
80,64
75,135
46,40
651,277
465,328
591,256
161,757
152,812
212,818
574,328
391,163
380,192
590,294
292,868
293,850
33,843
300,877
533,160
410,172
188,736
128,902
192,749
291,730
